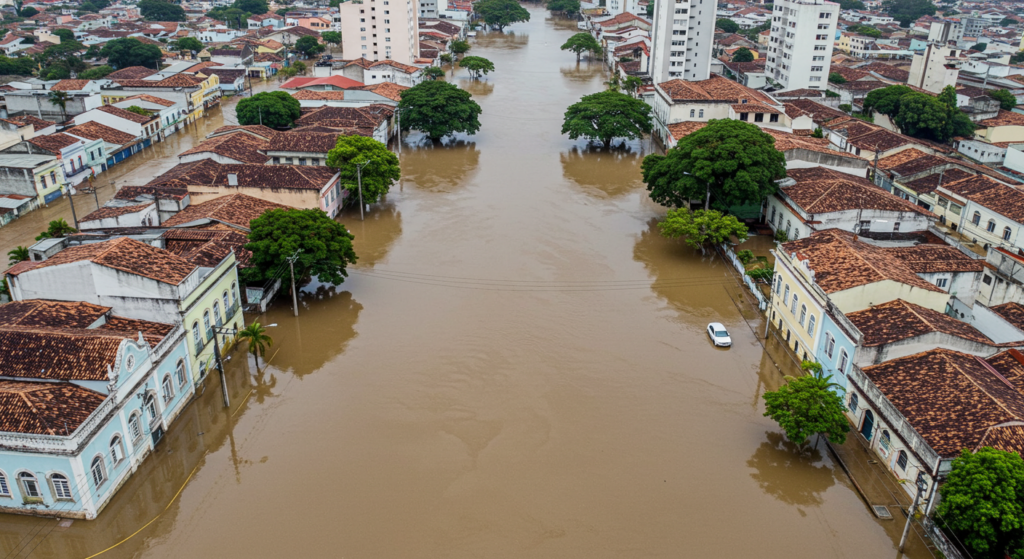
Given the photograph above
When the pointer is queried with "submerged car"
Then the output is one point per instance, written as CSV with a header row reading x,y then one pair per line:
x,y
719,335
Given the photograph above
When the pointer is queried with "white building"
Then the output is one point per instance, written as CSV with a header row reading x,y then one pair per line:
x,y
934,68
800,45
380,30
682,39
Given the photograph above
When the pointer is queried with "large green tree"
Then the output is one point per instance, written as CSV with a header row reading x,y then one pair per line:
x,y
907,11
65,34
1006,99
983,502
16,66
235,18
477,65
851,5
332,38
377,176
122,53
258,7
865,30
807,406
727,25
439,109
500,13
886,100
702,228
324,245
17,254
919,114
607,115
309,46
28,11
582,42
743,54
275,109
95,73
56,229
186,44
567,7
731,161
161,10
459,46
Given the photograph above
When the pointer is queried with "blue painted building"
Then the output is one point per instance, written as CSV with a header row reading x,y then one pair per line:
x,y
837,346
118,395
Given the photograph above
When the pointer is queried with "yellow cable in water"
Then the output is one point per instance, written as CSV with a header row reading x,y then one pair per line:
x,y
154,518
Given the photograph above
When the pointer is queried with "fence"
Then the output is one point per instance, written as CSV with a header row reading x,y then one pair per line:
x,y
762,301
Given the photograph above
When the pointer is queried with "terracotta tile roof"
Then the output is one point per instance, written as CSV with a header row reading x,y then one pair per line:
x,y
680,130
54,142
899,320
1005,118
840,261
59,354
314,95
851,74
25,120
235,209
820,114
126,115
299,141
148,192
928,258
113,211
1002,199
390,90
34,313
1011,312
201,66
755,107
225,74
151,99
96,131
819,190
131,73
243,148
624,17
713,89
784,141
886,71
929,183
45,408
971,92
951,399
70,85
370,116
267,57
208,172
800,93
880,140
261,131
207,247
127,255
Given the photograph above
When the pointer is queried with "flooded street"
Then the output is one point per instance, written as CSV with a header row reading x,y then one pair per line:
x,y
517,368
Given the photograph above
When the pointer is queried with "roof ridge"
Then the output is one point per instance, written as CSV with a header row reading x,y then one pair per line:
x,y
32,407
998,401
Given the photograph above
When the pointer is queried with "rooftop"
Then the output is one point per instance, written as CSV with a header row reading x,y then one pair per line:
x,y
45,408
234,209
209,172
717,88
1012,313
900,320
243,148
96,131
112,211
821,190
127,255
928,258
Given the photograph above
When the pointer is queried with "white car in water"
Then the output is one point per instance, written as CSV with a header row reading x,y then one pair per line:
x,y
719,335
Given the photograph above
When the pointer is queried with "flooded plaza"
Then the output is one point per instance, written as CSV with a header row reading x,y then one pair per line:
x,y
516,367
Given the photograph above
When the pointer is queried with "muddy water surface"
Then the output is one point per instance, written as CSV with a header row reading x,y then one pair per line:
x,y
516,368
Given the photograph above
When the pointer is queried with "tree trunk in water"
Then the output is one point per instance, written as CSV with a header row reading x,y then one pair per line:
x,y
707,199
256,354
577,58
607,142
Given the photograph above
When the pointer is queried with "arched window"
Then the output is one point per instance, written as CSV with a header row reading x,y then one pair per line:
x,y
134,426
884,441
991,227
61,487
772,220
830,345
803,314
99,473
234,288
116,450
792,309
778,285
854,401
151,406
29,485
216,313
693,113
843,360
206,325
5,490
179,373
168,388
224,297
901,460
810,325
195,335
1006,233
701,114
976,218
785,297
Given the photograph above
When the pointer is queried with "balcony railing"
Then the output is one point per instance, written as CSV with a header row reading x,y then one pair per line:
x,y
77,171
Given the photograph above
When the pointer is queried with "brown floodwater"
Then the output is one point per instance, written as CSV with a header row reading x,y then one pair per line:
x,y
517,367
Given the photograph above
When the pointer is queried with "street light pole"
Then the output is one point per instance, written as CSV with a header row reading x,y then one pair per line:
x,y
74,217
220,363
291,265
910,516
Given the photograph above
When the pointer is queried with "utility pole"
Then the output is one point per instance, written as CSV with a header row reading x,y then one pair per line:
x,y
359,180
291,264
910,516
220,367
71,199
398,119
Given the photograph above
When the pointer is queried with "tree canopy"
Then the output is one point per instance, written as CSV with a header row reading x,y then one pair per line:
x,y
886,100
983,502
325,245
56,229
807,406
477,65
730,162
607,115
233,17
433,72
919,114
836,78
865,30
727,25
186,44
65,34
459,46
161,10
309,46
500,13
580,43
1007,22
743,54
16,66
851,5
907,11
275,109
565,6
122,53
1006,99
28,11
377,176
439,109
331,37
702,228
258,7
979,47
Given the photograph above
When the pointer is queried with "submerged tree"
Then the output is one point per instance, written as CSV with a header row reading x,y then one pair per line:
x,y
983,502
607,115
439,109
380,168
808,406
323,247
702,228
500,13
581,43
477,65
257,339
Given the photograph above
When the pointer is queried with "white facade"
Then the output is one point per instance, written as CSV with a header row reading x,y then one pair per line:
x,y
682,39
800,45
929,70
380,30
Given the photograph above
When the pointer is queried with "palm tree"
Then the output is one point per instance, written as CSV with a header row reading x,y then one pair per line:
x,y
17,254
60,98
258,340
58,228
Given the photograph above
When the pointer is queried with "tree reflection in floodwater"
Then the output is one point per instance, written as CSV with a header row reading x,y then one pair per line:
x,y
606,173
376,233
480,87
440,166
327,325
583,71
500,40
791,476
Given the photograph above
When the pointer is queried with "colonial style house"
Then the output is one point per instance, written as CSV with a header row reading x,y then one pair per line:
x,y
119,383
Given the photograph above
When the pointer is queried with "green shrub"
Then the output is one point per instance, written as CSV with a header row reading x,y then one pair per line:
x,y
781,236
745,256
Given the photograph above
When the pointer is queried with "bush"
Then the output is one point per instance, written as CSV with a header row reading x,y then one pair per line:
x,y
781,236
846,108
830,93
745,256
761,274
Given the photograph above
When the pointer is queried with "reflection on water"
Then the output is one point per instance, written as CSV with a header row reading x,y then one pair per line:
x,y
328,323
583,71
500,40
438,166
604,172
791,476
375,234
479,87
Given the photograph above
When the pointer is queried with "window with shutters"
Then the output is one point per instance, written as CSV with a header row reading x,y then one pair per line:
x,y
61,487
